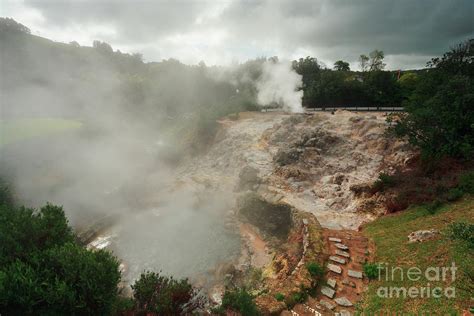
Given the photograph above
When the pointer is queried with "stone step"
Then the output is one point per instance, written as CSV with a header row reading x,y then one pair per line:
x,y
328,291
342,253
334,268
335,239
343,301
341,246
337,259
354,274
331,283
327,304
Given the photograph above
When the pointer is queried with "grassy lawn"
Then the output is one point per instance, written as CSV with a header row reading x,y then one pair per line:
x,y
390,233
16,130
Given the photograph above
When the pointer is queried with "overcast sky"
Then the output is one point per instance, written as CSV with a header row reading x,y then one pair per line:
x,y
410,32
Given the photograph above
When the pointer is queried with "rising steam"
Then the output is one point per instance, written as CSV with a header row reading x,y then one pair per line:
x,y
280,84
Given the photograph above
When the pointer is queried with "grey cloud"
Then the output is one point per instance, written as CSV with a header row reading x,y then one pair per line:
x,y
134,21
327,29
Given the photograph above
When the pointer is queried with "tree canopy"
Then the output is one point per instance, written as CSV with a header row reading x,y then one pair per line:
x,y
440,109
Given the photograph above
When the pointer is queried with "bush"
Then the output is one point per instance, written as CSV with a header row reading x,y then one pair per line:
x,y
462,231
164,295
454,194
43,270
279,297
466,182
434,206
241,301
295,298
315,270
371,270
384,182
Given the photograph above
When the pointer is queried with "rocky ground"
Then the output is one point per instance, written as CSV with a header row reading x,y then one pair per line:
x,y
304,175
316,164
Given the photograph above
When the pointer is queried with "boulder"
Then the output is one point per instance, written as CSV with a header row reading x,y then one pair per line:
x,y
422,235
287,156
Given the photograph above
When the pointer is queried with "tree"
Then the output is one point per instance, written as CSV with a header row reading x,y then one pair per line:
x,y
382,88
239,300
102,47
165,295
408,83
373,62
309,68
9,24
364,62
376,60
440,116
341,65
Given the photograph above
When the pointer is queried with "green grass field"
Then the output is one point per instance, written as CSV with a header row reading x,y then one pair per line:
x,y
12,131
390,236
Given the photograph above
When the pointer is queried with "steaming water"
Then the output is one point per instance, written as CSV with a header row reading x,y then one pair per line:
x,y
188,242
185,237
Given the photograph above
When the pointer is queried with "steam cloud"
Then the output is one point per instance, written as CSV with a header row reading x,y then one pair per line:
x,y
280,84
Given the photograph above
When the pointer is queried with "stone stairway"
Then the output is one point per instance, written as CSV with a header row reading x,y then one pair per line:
x,y
344,280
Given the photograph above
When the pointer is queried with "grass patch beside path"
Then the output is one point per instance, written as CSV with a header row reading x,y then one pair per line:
x,y
15,130
390,236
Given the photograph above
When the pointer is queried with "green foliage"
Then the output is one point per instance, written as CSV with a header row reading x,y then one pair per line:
x,y
123,305
6,197
279,297
382,88
462,231
408,82
165,295
439,118
295,298
315,270
371,270
43,270
241,301
341,65
434,206
466,182
384,181
454,194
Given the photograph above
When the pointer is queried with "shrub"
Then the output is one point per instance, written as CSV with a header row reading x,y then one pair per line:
x,y
454,194
434,206
165,295
462,231
383,182
241,301
295,298
466,182
279,297
315,270
371,270
43,270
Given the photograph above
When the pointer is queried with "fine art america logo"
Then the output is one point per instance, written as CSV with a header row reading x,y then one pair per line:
x,y
425,277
